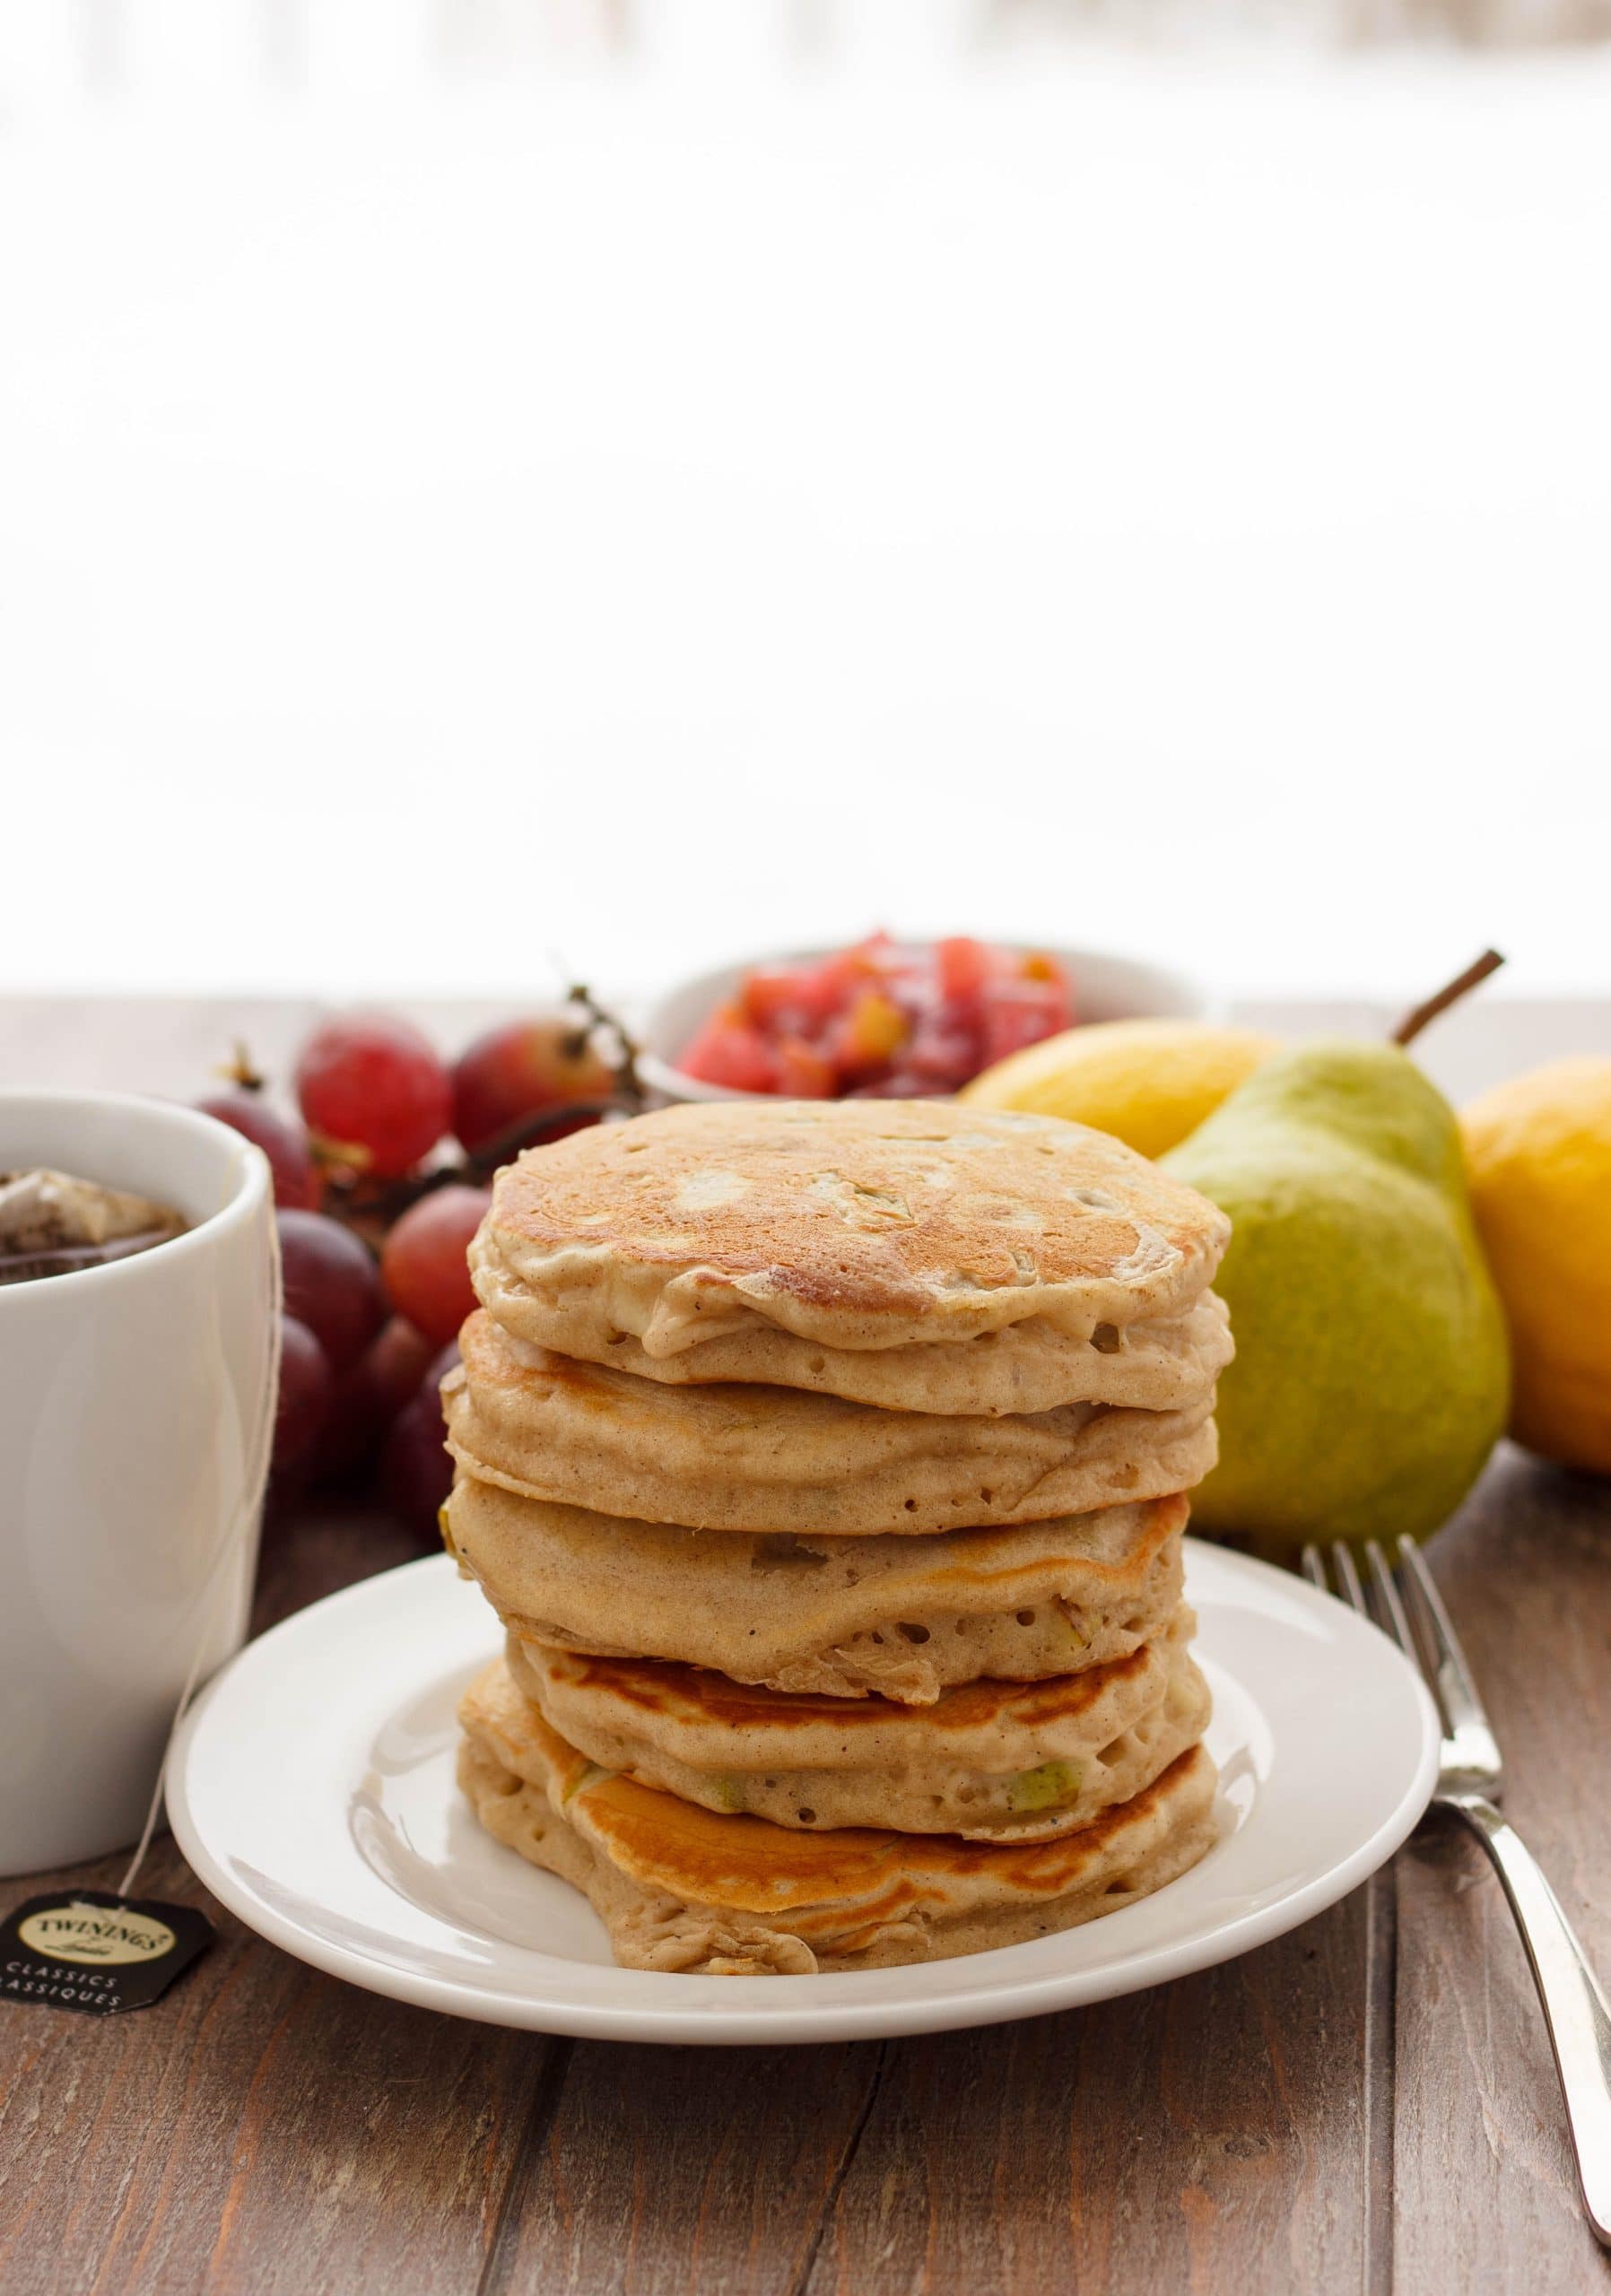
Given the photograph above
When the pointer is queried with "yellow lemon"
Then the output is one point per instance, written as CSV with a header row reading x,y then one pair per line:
x,y
1149,1083
1540,1153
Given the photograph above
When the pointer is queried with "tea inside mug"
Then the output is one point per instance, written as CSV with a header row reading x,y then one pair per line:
x,y
54,1223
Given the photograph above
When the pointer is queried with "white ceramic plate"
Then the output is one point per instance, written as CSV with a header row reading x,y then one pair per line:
x,y
311,1786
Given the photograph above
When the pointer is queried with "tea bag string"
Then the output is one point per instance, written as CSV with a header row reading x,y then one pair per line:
x,y
258,1455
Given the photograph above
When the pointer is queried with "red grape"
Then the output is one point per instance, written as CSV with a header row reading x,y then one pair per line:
x,y
423,1264
307,1385
395,1365
331,1284
416,1473
385,1378
299,1184
374,1086
524,1067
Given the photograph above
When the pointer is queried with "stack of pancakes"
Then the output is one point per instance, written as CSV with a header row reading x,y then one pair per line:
x,y
825,1463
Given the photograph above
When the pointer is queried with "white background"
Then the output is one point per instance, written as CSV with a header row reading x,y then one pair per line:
x,y
650,483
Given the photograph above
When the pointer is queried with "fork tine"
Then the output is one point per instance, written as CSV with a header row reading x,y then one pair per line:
x,y
1389,1601
1314,1568
1463,1710
1347,1577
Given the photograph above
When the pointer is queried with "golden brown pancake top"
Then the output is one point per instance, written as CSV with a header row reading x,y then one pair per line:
x,y
863,1221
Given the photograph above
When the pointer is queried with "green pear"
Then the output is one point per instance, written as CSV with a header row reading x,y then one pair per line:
x,y
1372,1374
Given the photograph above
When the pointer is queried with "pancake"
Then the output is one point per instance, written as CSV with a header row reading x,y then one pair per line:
x,y
754,1458
905,1618
990,1761
856,1225
679,1888
1026,1367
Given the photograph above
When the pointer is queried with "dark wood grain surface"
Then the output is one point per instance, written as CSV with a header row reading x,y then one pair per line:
x,y
1367,2104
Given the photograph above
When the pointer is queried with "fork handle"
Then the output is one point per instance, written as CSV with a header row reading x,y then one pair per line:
x,y
1575,2009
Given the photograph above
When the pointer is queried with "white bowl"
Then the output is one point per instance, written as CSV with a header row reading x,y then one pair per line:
x,y
1106,987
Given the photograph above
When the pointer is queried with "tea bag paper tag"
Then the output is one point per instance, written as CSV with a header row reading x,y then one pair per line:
x,y
97,1953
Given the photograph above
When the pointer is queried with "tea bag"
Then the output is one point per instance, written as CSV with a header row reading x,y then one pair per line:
x,y
51,1222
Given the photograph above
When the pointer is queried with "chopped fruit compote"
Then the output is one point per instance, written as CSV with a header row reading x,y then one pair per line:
x,y
881,1019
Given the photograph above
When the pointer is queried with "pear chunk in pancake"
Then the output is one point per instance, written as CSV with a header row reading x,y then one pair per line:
x,y
855,1226
753,1458
903,1618
989,1762
680,1888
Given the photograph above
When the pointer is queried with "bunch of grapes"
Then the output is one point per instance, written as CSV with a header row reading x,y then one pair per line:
x,y
376,1210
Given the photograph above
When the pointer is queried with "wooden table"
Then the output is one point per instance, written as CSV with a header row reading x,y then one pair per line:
x,y
1368,2103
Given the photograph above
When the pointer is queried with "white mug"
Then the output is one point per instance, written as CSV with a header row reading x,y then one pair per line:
x,y
136,1403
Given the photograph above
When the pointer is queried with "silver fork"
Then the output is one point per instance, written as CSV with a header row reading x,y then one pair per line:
x,y
1470,1776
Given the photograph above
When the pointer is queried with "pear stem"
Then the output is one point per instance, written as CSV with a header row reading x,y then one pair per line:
x,y
1413,1023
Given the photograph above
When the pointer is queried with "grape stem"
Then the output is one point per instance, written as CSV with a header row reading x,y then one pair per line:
x,y
625,1063
241,1069
350,1199
531,1131
1415,1021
